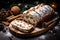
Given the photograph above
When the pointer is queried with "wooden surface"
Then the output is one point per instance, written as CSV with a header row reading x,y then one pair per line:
x,y
37,30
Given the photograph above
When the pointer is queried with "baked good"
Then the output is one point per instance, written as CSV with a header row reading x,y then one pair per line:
x,y
39,13
22,25
33,17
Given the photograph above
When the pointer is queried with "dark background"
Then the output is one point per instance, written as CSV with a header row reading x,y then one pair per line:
x,y
6,3
55,35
